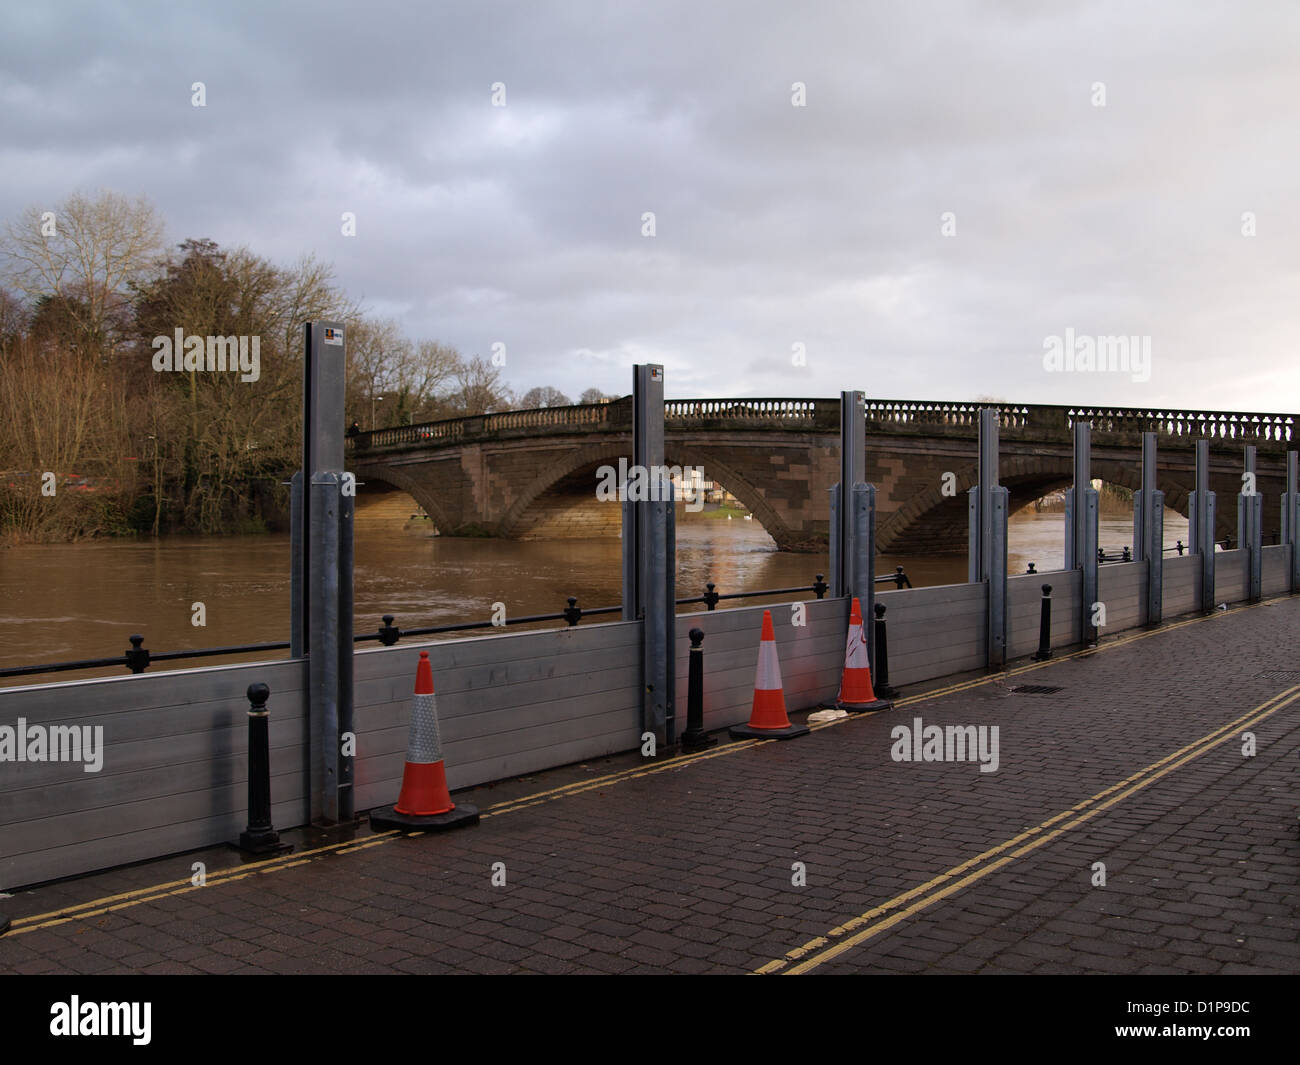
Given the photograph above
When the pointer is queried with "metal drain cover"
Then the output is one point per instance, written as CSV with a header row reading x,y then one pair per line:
x,y
1036,689
1289,676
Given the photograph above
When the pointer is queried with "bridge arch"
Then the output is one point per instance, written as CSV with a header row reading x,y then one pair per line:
x,y
515,519
930,518
417,491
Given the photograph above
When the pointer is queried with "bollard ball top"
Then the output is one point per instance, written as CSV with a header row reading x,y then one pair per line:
x,y
1047,589
258,694
880,610
697,636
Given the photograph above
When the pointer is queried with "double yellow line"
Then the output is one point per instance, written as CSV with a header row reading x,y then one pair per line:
x,y
883,917
125,900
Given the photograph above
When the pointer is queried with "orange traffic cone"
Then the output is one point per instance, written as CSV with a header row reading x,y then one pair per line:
x,y
424,803
855,686
767,718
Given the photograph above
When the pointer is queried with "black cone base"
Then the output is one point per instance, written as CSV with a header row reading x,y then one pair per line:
x,y
866,708
461,816
748,732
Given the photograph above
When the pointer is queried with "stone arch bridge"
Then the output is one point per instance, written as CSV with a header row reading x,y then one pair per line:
x,y
532,474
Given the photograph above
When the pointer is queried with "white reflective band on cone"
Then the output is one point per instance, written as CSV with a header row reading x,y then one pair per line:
x,y
855,650
768,675
424,745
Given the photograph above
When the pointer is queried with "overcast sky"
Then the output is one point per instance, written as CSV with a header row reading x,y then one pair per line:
x,y
775,225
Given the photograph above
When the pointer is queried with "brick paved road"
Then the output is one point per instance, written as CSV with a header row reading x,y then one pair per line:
x,y
686,865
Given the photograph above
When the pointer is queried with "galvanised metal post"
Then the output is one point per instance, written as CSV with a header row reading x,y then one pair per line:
x,y
853,456
999,507
322,634
651,526
1148,530
323,645
1250,531
297,568
1156,559
260,837
973,556
670,611
864,563
630,558
1092,516
1291,516
1081,516
987,505
1201,524
347,506
837,542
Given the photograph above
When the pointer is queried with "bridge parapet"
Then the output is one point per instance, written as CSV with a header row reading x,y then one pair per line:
x,y
615,415
822,416
809,415
1214,425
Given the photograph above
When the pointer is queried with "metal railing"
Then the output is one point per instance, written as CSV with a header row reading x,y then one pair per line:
x,y
138,658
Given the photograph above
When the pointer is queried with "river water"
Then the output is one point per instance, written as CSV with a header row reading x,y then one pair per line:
x,y
73,601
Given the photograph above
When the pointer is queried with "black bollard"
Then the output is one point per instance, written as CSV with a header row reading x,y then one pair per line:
x,y
572,612
695,738
880,682
1179,547
389,634
260,838
1031,569
711,595
820,586
1044,651
1128,555
137,658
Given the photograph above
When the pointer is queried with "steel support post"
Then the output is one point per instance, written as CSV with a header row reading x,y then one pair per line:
x,y
987,505
297,568
1250,532
651,553
1081,510
1291,517
999,505
325,621
1201,524
837,542
853,458
864,563
1148,530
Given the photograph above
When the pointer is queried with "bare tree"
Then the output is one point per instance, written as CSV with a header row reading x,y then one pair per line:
x,y
544,396
594,395
85,253
479,389
374,347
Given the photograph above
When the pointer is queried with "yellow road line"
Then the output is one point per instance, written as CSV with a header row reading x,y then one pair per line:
x,y
944,884
98,906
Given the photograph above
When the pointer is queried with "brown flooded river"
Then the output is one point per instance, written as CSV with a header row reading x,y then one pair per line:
x,y
74,601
